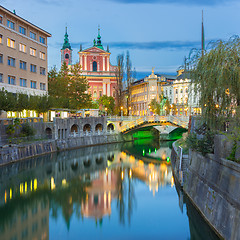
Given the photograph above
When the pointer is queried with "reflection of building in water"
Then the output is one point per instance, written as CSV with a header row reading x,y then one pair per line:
x,y
100,194
29,222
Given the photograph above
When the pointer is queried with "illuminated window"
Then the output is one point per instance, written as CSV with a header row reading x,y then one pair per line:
x,y
11,80
11,61
42,55
33,68
33,84
23,65
1,38
42,86
11,43
22,30
42,40
42,71
32,52
32,35
22,47
94,66
11,24
23,82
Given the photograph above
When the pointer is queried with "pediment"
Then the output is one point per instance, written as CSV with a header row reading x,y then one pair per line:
x,y
94,50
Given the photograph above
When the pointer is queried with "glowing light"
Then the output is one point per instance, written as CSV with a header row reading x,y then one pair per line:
x,y
5,197
140,163
155,150
172,182
64,182
109,198
149,151
168,159
35,184
130,173
106,171
25,187
21,188
143,152
122,175
31,185
10,193
52,183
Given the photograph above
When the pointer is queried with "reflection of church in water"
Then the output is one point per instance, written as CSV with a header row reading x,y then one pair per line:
x,y
95,65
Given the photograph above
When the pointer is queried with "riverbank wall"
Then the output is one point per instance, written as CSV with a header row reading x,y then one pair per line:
x,y
13,153
213,185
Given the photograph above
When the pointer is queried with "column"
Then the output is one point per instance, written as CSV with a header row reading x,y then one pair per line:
x,y
81,62
108,63
108,89
104,88
85,62
103,63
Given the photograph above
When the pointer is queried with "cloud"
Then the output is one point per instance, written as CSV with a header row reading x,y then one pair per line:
x,y
180,2
156,45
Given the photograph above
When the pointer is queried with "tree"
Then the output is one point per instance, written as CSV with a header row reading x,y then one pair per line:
x,y
119,76
107,102
216,78
155,106
129,80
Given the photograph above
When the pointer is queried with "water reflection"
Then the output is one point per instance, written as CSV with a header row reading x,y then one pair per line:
x,y
95,183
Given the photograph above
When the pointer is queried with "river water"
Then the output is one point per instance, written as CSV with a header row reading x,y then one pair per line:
x,y
115,191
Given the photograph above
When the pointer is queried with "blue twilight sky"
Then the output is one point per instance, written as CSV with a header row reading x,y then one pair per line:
x,y
157,33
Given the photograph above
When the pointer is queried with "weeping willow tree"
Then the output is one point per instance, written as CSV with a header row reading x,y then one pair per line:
x,y
216,78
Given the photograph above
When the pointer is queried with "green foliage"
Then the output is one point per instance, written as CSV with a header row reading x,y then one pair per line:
x,y
27,130
204,145
155,106
216,78
107,102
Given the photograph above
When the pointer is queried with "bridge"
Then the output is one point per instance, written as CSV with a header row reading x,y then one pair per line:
x,y
168,123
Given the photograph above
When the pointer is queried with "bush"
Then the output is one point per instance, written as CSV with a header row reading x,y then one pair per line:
x,y
27,130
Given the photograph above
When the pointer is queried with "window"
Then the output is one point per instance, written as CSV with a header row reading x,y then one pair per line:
x,y
42,86
33,84
166,92
176,100
22,30
33,68
32,35
22,47
42,71
23,82
32,52
170,91
1,38
176,91
1,77
23,65
42,40
100,93
11,61
186,90
1,58
11,80
181,91
95,94
94,64
66,56
1,19
11,43
42,55
11,24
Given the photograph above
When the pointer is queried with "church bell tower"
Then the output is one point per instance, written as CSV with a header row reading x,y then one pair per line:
x,y
66,51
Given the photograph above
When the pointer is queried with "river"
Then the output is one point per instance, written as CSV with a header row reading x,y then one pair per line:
x,y
115,191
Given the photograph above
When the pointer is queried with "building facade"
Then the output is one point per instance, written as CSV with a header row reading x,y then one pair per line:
x,y
181,96
95,66
23,55
143,91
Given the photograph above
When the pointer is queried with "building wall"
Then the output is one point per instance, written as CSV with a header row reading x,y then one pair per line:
x,y
8,34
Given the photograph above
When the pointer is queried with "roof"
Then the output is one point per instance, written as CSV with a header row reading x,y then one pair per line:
x,y
173,77
184,76
24,20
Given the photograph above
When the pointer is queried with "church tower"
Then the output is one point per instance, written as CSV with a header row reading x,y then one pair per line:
x,y
66,51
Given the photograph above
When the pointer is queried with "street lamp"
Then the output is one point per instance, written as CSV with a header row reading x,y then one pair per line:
x,y
105,110
121,112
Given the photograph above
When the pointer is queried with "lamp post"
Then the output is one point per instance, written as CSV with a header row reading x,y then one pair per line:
x,y
105,110
122,113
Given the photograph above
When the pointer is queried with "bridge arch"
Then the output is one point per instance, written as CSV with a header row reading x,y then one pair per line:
x,y
99,127
75,128
48,132
110,126
87,127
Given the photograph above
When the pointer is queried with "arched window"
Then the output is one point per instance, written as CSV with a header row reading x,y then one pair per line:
x,y
94,66
67,56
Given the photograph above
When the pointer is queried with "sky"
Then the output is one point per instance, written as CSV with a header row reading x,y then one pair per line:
x,y
157,33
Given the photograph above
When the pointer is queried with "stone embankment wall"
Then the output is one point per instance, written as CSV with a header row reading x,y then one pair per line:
x,y
213,185
22,151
